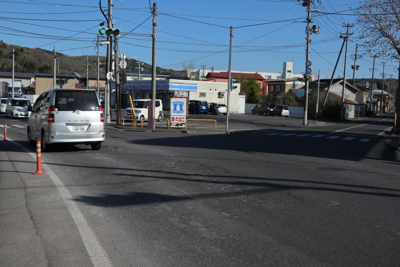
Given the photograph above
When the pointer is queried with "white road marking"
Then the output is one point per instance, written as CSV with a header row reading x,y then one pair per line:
x,y
349,128
302,135
364,140
288,134
348,138
17,126
333,137
97,254
318,135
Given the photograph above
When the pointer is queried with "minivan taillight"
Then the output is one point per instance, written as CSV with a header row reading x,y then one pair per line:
x,y
101,113
50,115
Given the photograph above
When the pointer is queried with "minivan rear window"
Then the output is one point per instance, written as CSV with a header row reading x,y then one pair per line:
x,y
70,100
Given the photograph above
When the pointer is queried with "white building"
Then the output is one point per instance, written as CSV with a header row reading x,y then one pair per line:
x,y
287,73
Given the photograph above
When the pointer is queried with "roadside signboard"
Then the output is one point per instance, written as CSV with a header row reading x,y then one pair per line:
x,y
178,111
308,64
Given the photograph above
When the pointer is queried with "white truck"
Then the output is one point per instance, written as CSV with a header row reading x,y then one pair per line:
x,y
6,89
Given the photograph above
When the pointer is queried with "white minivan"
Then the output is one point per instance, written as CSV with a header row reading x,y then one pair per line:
x,y
141,109
73,116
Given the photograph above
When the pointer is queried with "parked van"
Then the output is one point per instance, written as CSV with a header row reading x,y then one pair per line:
x,y
197,106
141,109
72,116
18,107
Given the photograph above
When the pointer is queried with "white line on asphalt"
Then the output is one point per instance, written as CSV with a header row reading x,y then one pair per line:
x,y
97,254
318,135
17,126
288,134
333,137
390,128
348,138
301,135
364,140
349,128
273,134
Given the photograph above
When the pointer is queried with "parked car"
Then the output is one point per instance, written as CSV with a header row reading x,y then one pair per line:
x,y
281,110
216,108
18,107
197,106
72,116
3,105
264,108
141,109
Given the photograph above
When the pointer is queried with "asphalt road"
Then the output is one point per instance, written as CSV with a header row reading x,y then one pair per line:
x,y
273,193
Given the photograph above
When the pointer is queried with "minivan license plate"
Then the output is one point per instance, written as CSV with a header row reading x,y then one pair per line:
x,y
78,129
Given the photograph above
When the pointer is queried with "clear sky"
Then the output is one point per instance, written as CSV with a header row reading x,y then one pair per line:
x,y
266,32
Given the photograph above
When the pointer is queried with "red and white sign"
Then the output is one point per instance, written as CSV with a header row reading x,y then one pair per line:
x,y
308,63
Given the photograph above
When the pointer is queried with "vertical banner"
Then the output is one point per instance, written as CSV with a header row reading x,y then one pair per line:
x,y
178,111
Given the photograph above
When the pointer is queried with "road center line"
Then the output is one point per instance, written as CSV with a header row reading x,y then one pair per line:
x,y
96,253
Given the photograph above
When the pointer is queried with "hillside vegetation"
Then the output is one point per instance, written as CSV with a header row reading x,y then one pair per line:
x,y
38,60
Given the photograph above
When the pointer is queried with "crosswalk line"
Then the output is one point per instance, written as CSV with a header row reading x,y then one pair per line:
x,y
348,138
288,134
364,140
318,135
333,137
302,135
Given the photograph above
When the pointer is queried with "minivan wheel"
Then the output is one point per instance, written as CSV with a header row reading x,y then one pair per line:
x,y
44,147
96,146
253,112
31,142
194,111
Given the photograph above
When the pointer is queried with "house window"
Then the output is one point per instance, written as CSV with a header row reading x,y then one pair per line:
x,y
202,94
271,88
277,88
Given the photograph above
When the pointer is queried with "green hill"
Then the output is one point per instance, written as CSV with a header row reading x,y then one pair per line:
x,y
38,60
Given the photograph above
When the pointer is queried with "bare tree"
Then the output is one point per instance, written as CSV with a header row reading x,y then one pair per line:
x,y
379,22
188,68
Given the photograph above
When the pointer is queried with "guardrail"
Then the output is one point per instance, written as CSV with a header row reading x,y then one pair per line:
x,y
215,127
131,117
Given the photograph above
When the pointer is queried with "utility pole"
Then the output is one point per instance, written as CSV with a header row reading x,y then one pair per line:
x,y
319,83
54,67
108,87
371,94
151,124
342,108
87,71
307,59
383,86
139,67
117,84
13,71
355,67
98,65
229,79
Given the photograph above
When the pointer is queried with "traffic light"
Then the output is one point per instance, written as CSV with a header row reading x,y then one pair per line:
x,y
102,31
122,77
110,31
114,32
233,86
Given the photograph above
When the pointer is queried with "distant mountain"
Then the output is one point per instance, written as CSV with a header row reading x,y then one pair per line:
x,y
38,60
